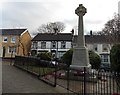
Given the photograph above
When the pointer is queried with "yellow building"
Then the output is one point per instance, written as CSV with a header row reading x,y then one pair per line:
x,y
14,42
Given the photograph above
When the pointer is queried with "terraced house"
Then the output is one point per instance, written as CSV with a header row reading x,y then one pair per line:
x,y
51,42
14,42
62,42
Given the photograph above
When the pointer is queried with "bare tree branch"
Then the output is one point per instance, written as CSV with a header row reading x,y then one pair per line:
x,y
50,27
111,29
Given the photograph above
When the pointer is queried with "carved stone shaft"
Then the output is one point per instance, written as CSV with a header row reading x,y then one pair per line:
x,y
80,11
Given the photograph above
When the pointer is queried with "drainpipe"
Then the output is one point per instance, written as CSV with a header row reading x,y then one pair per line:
x,y
18,45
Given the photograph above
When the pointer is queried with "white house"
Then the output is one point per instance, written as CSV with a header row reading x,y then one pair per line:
x,y
50,42
64,41
100,45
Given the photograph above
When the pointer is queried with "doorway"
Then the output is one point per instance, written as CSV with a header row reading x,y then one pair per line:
x,y
3,52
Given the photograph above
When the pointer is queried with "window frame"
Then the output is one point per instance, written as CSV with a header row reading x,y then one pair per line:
x,y
53,43
43,45
12,48
95,47
63,43
103,58
4,39
103,48
34,45
12,39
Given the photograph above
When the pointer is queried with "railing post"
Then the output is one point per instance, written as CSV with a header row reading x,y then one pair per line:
x,y
68,69
55,74
11,58
84,81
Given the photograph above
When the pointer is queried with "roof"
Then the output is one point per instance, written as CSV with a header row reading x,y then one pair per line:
x,y
11,31
53,37
90,39
96,39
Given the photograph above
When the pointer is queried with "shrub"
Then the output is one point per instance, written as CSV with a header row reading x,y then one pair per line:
x,y
115,58
44,56
94,58
67,57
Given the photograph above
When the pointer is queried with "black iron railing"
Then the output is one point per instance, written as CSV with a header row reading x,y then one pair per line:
x,y
81,82
35,66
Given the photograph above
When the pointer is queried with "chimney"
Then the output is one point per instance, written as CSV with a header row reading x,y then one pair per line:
x,y
72,31
91,33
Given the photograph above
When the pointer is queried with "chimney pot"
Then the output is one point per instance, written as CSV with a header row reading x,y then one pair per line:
x,y
91,32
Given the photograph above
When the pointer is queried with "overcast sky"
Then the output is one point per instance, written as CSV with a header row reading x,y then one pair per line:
x,y
31,14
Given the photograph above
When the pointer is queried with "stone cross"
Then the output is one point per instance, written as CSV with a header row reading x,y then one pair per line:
x,y
80,57
80,11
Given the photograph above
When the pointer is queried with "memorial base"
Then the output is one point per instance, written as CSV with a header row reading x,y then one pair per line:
x,y
80,59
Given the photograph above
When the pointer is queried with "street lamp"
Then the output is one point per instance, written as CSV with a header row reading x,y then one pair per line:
x,y
56,30
56,33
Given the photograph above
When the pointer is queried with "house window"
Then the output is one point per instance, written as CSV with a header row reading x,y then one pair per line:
x,y
53,45
34,46
105,48
12,49
71,45
43,45
105,58
61,54
63,45
13,39
95,47
5,39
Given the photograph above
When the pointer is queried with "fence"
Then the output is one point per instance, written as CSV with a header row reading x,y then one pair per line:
x,y
77,81
37,67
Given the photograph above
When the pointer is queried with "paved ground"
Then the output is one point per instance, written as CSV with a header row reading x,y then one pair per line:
x,y
0,76
18,81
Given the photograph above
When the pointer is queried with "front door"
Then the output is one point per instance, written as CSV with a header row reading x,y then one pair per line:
x,y
3,52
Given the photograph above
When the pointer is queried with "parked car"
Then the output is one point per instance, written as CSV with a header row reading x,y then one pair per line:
x,y
105,67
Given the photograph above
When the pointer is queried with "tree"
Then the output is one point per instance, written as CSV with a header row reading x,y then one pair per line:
x,y
24,46
115,58
111,29
45,56
94,58
52,27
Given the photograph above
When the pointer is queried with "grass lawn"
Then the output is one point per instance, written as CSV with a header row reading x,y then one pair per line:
x,y
38,70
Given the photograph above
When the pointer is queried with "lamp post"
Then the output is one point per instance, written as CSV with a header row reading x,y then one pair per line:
x,y
56,54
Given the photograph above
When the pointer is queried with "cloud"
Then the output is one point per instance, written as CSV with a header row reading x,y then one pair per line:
x,y
33,13
88,21
27,14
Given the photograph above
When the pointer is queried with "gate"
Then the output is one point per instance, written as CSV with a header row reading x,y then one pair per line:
x,y
81,82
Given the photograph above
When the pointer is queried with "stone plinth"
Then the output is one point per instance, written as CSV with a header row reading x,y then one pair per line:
x,y
80,58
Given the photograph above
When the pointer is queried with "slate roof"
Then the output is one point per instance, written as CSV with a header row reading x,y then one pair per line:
x,y
89,39
53,37
11,31
99,39
96,39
